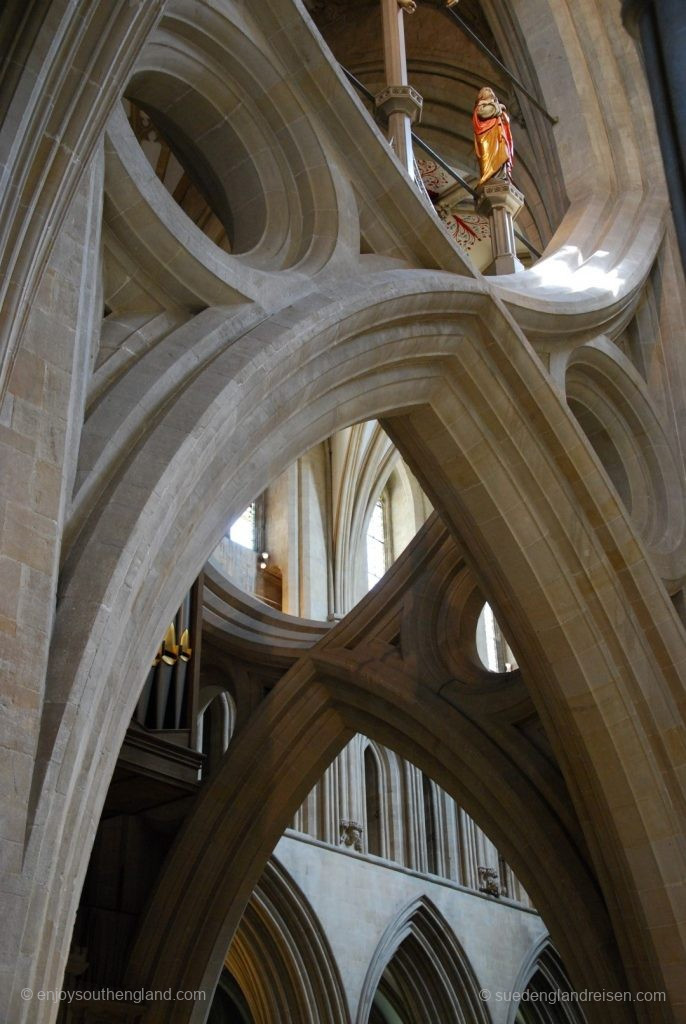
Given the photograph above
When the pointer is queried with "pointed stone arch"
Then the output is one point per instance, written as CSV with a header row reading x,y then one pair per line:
x,y
472,409
543,970
373,801
430,967
282,959
633,789
315,722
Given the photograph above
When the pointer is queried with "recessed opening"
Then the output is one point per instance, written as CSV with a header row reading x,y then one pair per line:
x,y
183,171
605,449
327,530
493,649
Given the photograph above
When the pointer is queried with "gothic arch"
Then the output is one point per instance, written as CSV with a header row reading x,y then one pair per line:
x,y
611,686
316,721
489,437
369,460
216,722
281,958
373,802
432,969
544,959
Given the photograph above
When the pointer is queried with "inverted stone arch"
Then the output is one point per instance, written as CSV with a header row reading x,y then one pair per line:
x,y
437,971
579,55
211,872
475,770
282,959
489,437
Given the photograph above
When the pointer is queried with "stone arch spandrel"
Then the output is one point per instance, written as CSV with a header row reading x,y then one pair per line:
x,y
212,78
511,473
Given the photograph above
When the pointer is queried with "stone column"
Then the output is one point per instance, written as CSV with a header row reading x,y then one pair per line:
x,y
398,102
500,201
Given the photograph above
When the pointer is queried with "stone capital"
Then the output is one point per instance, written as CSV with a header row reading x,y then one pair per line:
x,y
499,194
399,99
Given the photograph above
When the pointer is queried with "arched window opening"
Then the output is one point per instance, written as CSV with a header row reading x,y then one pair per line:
x,y
242,556
493,649
378,554
430,826
328,528
372,796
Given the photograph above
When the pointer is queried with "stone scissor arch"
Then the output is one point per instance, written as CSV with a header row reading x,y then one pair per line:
x,y
472,409
621,694
322,701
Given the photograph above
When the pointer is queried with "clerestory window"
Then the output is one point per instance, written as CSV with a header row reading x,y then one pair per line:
x,y
377,543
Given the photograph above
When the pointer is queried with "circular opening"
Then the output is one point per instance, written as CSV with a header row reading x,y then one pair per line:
x,y
183,171
492,647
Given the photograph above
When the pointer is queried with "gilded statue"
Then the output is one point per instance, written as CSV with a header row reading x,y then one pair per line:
x,y
492,137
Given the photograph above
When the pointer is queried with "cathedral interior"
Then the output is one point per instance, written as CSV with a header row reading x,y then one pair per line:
x,y
343,512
